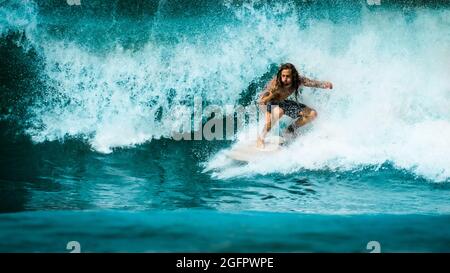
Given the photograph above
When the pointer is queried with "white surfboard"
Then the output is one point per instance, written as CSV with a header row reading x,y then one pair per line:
x,y
247,151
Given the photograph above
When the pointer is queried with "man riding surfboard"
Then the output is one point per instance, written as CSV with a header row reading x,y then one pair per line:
x,y
274,100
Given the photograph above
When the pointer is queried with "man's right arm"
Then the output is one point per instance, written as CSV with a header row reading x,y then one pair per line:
x,y
266,97
267,94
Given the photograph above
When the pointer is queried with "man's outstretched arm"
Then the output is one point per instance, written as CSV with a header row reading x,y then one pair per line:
x,y
316,84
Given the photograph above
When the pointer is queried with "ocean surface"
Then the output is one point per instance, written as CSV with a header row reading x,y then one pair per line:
x,y
92,93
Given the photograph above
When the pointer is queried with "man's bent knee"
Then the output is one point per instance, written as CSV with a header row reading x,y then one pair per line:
x,y
308,113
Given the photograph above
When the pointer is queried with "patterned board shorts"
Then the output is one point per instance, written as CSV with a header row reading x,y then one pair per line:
x,y
290,107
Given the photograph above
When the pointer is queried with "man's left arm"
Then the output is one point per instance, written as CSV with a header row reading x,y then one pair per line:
x,y
316,84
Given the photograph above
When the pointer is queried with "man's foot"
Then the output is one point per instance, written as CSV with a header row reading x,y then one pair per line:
x,y
260,143
290,129
290,134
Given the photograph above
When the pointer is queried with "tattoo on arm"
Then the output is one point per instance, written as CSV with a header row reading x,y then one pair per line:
x,y
311,83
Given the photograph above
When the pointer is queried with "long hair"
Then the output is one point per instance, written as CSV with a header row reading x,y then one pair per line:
x,y
295,77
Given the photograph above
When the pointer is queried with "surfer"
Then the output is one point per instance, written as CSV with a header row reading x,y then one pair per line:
x,y
274,100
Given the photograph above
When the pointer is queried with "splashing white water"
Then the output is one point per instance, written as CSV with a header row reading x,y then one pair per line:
x,y
391,100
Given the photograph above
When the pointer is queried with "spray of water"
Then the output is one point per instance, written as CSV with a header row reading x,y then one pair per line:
x,y
391,101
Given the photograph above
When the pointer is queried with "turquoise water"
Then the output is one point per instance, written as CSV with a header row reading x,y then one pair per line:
x,y
91,94
200,231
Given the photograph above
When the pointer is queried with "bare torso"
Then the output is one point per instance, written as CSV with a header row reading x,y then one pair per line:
x,y
277,94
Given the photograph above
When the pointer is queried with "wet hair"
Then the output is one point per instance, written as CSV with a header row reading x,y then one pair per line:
x,y
295,77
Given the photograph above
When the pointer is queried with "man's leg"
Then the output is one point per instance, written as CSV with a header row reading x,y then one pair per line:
x,y
306,115
271,119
